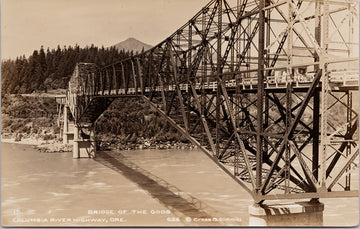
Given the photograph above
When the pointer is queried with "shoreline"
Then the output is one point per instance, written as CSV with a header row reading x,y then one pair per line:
x,y
57,146
121,145
24,141
44,146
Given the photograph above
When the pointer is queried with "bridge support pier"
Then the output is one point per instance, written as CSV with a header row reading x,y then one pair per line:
x,y
68,136
84,141
293,214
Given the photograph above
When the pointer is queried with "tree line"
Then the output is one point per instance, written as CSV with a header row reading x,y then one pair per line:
x,y
51,69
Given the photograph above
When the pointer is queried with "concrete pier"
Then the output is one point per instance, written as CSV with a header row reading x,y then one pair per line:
x,y
84,145
292,214
67,134
66,126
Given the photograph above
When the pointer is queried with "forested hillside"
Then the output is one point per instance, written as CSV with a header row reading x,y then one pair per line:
x,y
130,121
127,123
51,69
32,117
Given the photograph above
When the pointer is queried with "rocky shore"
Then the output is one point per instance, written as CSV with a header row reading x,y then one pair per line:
x,y
44,146
106,145
56,145
53,147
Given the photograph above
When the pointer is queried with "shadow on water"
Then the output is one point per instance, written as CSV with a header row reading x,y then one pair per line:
x,y
169,195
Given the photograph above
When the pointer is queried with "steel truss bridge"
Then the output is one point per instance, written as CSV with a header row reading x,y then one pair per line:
x,y
265,88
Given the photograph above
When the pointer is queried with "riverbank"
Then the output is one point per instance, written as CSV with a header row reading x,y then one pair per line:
x,y
106,143
56,145
24,141
49,146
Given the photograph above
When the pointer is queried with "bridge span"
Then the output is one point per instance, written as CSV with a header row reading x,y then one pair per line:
x,y
267,89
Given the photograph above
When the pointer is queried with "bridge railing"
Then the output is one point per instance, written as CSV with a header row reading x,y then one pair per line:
x,y
88,81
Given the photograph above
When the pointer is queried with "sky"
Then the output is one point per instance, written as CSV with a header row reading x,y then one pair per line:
x,y
27,25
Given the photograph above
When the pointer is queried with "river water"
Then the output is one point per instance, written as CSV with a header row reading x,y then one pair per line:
x,y
129,188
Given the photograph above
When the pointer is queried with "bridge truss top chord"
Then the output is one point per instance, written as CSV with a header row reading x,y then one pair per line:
x,y
258,86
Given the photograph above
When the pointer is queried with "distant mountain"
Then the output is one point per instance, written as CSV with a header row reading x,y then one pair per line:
x,y
131,44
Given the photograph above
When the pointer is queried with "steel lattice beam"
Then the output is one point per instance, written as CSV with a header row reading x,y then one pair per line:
x,y
242,74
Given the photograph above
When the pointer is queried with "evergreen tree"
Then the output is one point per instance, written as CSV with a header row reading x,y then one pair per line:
x,y
51,70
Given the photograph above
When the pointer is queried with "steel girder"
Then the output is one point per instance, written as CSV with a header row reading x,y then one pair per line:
x,y
256,87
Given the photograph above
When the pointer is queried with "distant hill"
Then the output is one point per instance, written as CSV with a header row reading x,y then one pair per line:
x,y
131,44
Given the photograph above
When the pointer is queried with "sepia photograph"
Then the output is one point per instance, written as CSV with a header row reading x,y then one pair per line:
x,y
180,113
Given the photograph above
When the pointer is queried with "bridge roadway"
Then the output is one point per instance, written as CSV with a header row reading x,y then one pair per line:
x,y
340,81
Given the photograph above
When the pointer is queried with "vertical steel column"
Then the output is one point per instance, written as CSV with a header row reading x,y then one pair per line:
x,y
316,110
110,81
93,92
123,77
96,85
203,95
238,37
238,111
140,73
178,46
348,147
189,51
168,47
219,61
324,96
66,125
116,80
189,72
268,35
106,80
232,53
316,133
134,76
290,53
317,29
260,98
102,82
351,33
287,149
289,76
248,57
266,124
87,90
349,97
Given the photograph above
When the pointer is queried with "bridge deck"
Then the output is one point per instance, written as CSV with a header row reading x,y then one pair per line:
x,y
247,86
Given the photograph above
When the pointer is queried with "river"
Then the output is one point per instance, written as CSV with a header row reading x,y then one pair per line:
x,y
129,188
